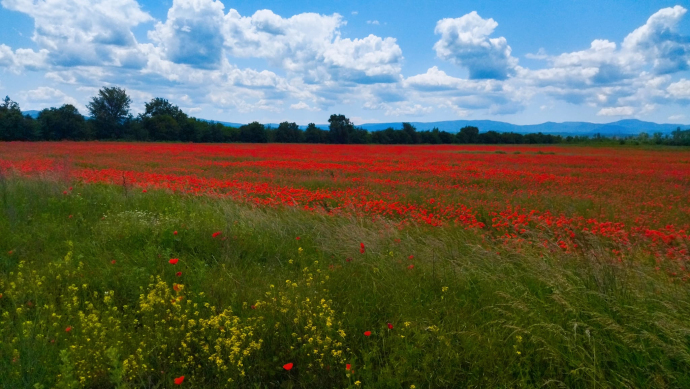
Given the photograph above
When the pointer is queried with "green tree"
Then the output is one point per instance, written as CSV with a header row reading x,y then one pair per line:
x,y
288,133
253,132
109,110
62,123
14,126
468,134
341,129
314,134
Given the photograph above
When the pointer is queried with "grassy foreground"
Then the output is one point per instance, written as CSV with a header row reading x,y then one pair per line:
x,y
90,299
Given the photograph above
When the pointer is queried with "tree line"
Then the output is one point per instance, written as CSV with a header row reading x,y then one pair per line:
x,y
111,119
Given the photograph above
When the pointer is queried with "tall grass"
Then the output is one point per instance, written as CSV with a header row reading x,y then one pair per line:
x,y
465,311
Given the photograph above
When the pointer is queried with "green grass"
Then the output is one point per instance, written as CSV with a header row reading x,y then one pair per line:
x,y
527,317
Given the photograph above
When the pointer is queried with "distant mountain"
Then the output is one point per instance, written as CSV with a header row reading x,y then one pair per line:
x,y
32,113
621,127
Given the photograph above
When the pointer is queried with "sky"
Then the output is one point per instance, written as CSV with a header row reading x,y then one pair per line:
x,y
523,62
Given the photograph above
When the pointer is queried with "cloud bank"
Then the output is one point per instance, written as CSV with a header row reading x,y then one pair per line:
x,y
191,56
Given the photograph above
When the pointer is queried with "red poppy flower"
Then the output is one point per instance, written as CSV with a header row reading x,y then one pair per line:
x,y
144,191
174,261
411,267
179,380
253,306
215,234
113,261
68,329
367,333
361,248
174,232
65,192
10,252
411,257
297,238
347,367
179,274
288,366
70,188
176,287
70,216
390,326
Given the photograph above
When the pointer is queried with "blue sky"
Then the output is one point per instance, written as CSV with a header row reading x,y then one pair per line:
x,y
374,61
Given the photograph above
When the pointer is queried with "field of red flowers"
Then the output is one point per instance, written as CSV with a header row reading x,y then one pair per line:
x,y
634,200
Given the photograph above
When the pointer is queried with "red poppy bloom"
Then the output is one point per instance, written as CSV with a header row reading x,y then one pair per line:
x,y
176,287
411,257
390,326
65,192
297,238
144,191
10,252
215,234
348,366
288,366
367,333
70,216
174,261
253,306
411,267
113,261
70,188
179,274
68,329
361,248
179,380
174,232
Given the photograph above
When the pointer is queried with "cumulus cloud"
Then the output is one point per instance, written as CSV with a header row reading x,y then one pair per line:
x,y
83,32
22,59
304,106
311,44
465,41
193,54
680,89
192,33
616,111
46,96
659,42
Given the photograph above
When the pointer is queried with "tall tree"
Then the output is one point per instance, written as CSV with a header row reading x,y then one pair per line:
x,y
62,123
109,110
14,126
340,129
288,133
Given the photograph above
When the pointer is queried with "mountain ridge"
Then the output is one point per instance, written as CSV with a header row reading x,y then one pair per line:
x,y
620,127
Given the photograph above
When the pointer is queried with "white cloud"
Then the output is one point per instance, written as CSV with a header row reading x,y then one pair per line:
x,y
616,111
374,22
677,117
304,106
680,89
658,41
191,57
192,33
82,32
465,41
22,59
44,96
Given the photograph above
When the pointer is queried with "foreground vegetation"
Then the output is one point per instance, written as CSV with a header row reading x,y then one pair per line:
x,y
287,298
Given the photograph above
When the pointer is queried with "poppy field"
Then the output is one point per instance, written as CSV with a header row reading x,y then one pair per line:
x,y
241,265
